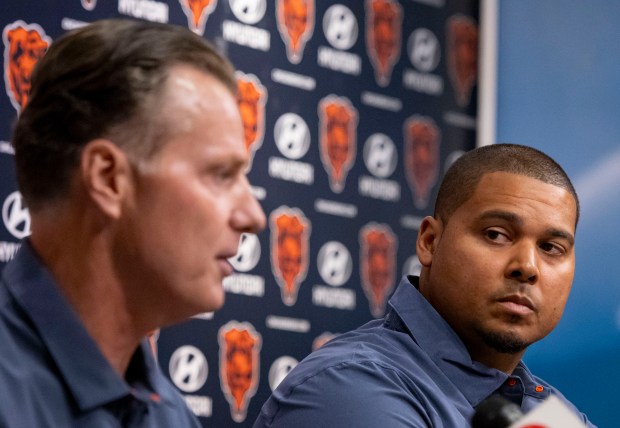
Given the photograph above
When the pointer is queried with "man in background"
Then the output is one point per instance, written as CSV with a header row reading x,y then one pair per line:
x,y
497,266
130,156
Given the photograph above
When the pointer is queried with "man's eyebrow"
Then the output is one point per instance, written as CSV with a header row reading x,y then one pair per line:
x,y
224,159
558,233
501,215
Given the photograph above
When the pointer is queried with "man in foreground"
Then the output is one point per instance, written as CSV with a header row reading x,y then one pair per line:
x,y
497,266
130,157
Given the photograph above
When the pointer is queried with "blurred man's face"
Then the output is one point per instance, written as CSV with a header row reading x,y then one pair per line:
x,y
191,201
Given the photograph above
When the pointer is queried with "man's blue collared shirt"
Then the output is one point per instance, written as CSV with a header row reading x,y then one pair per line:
x,y
52,374
408,370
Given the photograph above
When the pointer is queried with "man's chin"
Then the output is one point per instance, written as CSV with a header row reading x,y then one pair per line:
x,y
505,342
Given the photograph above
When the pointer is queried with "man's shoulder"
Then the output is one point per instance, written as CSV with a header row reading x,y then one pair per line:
x,y
27,373
25,364
369,344
16,332
358,362
357,383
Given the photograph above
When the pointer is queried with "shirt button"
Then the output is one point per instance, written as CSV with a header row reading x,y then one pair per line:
x,y
511,382
540,388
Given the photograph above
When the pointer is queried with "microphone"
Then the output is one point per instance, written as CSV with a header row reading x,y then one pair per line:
x,y
498,412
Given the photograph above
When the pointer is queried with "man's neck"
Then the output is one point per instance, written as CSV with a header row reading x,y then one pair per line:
x,y
83,272
505,362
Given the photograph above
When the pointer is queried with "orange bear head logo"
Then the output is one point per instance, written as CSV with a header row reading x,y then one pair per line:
x,y
290,233
239,365
422,138
338,138
383,36
296,25
24,45
251,96
197,12
378,264
462,46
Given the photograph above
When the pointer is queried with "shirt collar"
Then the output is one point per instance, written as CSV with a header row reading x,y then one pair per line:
x,y
435,336
89,377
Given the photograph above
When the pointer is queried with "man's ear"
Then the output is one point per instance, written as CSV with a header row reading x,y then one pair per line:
x,y
428,238
106,174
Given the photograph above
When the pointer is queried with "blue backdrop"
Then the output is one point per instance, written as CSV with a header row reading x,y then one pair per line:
x,y
559,91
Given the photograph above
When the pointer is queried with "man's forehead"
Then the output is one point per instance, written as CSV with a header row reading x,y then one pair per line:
x,y
500,186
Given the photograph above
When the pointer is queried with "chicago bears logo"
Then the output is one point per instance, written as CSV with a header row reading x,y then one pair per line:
x,y
422,139
251,97
338,139
24,45
240,346
383,36
197,12
296,25
462,41
378,264
290,233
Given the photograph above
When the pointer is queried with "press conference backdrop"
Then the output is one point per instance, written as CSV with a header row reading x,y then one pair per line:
x,y
559,90
352,111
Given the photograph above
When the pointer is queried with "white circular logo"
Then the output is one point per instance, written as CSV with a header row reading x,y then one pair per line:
x,y
279,369
380,155
424,51
248,11
340,27
292,135
188,368
334,263
16,216
248,253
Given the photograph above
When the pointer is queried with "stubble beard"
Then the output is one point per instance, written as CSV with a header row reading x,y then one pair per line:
x,y
504,342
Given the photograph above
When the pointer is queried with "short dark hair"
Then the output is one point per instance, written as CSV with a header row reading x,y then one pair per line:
x,y
461,179
101,81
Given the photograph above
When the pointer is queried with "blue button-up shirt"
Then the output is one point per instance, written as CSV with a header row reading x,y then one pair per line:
x,y
52,374
408,370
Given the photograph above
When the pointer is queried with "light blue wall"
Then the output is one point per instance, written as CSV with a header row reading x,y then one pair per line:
x,y
559,91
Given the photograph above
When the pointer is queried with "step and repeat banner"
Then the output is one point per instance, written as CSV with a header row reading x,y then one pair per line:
x,y
352,111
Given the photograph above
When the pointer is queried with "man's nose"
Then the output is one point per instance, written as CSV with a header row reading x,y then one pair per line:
x,y
248,216
523,265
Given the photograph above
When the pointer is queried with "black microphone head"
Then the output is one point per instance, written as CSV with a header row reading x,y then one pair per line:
x,y
496,412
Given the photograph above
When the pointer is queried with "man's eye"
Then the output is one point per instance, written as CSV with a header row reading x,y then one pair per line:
x,y
223,175
551,248
496,235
